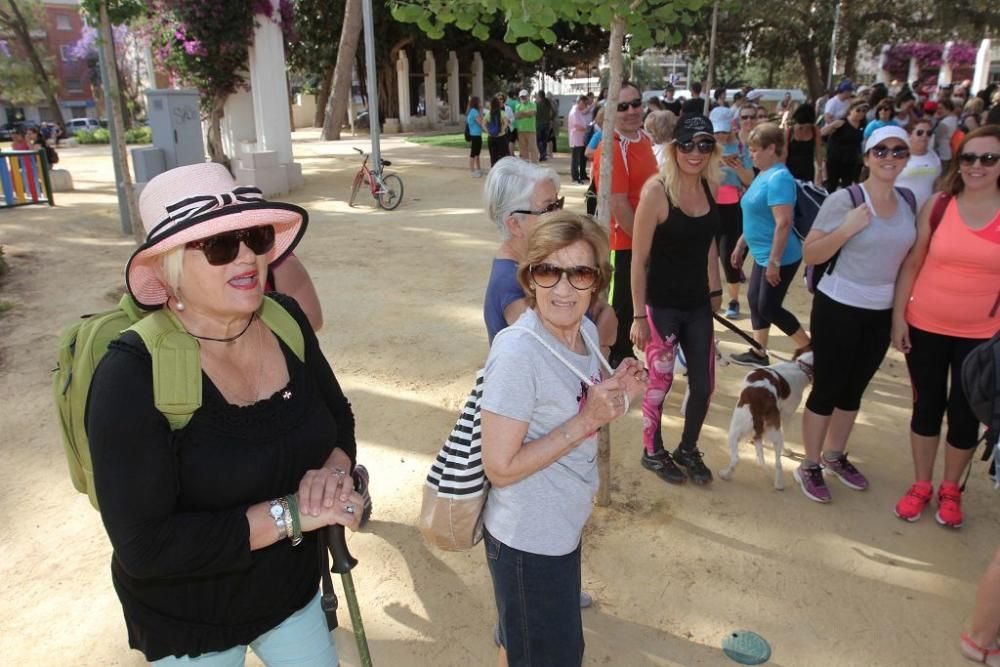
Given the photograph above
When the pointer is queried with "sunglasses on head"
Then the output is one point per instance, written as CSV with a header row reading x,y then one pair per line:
x,y
988,159
705,146
897,153
549,275
223,248
554,206
635,104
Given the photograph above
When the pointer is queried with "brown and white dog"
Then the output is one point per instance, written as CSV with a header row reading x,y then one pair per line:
x,y
769,396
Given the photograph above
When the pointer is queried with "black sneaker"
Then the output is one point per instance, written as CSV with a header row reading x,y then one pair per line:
x,y
663,466
696,468
750,358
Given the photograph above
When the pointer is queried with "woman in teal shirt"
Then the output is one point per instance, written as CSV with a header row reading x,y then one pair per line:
x,y
474,127
767,223
883,117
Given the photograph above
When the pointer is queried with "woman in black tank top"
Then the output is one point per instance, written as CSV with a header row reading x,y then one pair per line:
x,y
803,144
675,289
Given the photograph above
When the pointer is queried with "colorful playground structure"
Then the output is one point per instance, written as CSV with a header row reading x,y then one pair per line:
x,y
24,178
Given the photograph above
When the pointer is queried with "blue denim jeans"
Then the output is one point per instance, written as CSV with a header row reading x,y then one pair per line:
x,y
538,604
302,640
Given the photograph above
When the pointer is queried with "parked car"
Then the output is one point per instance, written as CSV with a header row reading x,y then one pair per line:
x,y
7,128
75,124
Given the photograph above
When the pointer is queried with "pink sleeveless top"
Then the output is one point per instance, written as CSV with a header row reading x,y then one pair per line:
x,y
957,292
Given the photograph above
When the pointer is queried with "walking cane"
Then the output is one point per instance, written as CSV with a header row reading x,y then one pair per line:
x,y
343,563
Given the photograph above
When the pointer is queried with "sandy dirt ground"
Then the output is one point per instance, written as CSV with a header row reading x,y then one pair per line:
x,y
672,569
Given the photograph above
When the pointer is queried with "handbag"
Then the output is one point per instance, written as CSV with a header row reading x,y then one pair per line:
x,y
456,489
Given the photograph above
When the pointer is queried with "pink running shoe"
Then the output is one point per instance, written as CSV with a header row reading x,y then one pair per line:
x,y
949,505
911,505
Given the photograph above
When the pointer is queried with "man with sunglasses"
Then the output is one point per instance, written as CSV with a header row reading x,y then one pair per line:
x,y
633,162
924,165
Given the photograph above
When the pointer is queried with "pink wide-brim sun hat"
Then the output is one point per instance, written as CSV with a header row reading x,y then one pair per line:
x,y
193,203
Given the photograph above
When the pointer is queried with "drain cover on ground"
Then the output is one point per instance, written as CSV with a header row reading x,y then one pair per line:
x,y
746,648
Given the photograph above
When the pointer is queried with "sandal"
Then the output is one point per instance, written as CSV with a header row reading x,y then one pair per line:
x,y
977,653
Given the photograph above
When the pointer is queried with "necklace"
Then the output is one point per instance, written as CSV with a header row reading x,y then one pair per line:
x,y
231,338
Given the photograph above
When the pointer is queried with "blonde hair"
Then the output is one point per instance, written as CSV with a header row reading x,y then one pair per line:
x,y
172,269
766,135
555,231
974,105
660,125
670,173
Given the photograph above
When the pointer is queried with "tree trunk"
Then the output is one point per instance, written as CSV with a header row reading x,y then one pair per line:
x,y
115,117
215,150
340,96
20,27
814,76
323,96
604,218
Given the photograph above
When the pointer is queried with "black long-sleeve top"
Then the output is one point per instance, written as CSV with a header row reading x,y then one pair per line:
x,y
174,503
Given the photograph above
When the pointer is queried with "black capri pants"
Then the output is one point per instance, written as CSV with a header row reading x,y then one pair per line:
x,y
934,359
765,300
477,146
848,344
498,148
729,234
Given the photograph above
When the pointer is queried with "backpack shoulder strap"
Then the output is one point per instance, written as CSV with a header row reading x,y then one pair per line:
x,y
908,197
284,326
176,366
857,196
937,211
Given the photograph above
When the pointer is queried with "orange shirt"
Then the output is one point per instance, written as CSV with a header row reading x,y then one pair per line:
x,y
957,292
633,164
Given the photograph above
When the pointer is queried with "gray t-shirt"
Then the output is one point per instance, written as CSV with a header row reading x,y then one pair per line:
x,y
865,273
543,513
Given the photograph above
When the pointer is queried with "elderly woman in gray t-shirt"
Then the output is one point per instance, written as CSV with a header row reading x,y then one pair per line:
x,y
547,389
852,309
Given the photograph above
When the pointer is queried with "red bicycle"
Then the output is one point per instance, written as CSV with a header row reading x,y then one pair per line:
x,y
386,189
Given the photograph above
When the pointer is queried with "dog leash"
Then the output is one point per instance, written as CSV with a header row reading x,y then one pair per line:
x,y
739,332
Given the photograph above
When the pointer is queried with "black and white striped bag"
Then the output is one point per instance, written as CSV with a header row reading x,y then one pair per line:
x,y
451,514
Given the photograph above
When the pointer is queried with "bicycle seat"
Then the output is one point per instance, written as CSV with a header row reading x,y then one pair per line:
x,y
386,163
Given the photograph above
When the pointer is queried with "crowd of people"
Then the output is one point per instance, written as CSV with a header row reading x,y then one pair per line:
x,y
911,259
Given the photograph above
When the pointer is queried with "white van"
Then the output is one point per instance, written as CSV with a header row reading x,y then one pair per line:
x,y
76,124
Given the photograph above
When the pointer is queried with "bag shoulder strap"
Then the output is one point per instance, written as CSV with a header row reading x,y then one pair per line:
x,y
284,326
908,197
937,211
176,366
558,355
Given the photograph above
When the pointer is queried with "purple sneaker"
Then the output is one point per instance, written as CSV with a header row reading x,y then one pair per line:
x,y
812,483
848,474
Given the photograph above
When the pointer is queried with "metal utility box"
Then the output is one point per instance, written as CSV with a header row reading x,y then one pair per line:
x,y
175,119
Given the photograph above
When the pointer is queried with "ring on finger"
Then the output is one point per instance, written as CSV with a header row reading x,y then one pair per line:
x,y
349,508
339,471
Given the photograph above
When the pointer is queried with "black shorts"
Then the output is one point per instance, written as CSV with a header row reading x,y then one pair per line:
x,y
477,146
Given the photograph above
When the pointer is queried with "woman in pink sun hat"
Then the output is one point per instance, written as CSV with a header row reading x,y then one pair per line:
x,y
213,524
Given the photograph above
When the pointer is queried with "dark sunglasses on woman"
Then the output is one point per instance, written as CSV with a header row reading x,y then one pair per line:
x,y
554,206
704,146
549,275
988,159
223,248
898,153
635,104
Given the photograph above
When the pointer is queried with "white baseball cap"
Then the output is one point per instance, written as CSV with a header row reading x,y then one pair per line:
x,y
887,132
722,119
523,93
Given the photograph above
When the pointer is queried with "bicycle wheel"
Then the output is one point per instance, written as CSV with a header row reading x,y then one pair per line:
x,y
391,192
359,178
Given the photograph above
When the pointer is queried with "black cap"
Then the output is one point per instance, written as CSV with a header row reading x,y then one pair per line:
x,y
688,127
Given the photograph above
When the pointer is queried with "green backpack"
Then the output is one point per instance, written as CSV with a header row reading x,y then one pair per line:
x,y
176,370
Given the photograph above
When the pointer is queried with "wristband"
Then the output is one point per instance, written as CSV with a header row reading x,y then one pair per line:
x,y
639,317
714,293
293,509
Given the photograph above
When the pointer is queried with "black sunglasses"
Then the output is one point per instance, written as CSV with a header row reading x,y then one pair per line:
x,y
747,117
554,206
704,146
921,133
635,104
988,159
898,153
223,248
549,275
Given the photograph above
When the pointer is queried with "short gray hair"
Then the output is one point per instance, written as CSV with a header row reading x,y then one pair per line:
x,y
509,187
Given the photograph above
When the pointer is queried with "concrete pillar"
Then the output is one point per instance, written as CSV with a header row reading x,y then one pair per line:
x,y
454,103
914,73
430,88
238,123
270,95
883,64
982,74
944,74
477,78
403,81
